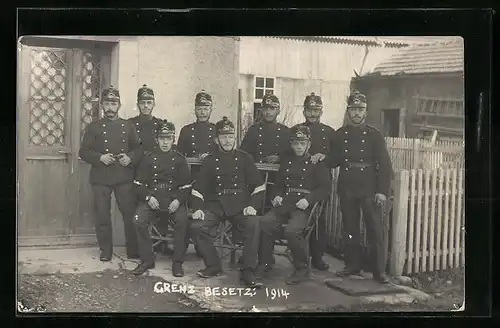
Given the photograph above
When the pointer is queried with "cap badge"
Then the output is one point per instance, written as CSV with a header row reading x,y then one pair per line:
x,y
312,103
226,128
112,94
300,135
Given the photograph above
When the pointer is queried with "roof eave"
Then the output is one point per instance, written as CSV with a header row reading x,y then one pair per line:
x,y
343,40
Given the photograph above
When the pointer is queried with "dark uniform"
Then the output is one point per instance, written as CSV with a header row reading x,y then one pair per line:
x,y
115,137
164,176
228,183
264,138
198,138
322,139
365,170
298,178
146,126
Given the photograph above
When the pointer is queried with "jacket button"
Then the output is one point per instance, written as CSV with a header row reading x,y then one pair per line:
x,y
361,169
107,149
104,132
105,140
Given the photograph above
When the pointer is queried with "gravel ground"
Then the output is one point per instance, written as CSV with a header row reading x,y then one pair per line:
x,y
108,291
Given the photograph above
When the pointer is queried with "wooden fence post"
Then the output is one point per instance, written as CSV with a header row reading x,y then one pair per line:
x,y
416,154
399,224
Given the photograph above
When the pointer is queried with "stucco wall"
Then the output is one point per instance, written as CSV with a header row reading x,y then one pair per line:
x,y
177,68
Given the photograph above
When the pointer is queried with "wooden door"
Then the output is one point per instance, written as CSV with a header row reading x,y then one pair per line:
x,y
57,93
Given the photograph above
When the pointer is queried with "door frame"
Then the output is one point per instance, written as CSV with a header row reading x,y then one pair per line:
x,y
76,49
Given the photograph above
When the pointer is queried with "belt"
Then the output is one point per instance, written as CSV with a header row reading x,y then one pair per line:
x,y
162,185
298,190
358,165
230,191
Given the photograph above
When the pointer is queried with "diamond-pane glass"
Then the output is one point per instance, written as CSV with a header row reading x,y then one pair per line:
x,y
48,97
91,86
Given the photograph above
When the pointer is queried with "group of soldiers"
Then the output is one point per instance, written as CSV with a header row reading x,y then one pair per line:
x,y
138,160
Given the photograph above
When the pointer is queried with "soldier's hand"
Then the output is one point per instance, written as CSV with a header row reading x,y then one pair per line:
x,y
153,203
124,159
107,159
198,215
174,205
380,199
273,159
277,201
317,158
302,204
249,210
202,156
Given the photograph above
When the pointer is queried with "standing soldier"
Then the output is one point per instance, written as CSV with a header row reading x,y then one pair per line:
x,y
322,137
111,145
266,141
230,187
145,123
163,184
197,139
300,184
364,182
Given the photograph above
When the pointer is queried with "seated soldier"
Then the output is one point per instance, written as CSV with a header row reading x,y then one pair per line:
x,y
299,185
229,186
163,184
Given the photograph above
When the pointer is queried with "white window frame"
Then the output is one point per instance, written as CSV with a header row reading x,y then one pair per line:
x,y
254,87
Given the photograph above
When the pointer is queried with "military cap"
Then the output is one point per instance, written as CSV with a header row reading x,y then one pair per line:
x,y
110,94
166,129
225,126
203,99
145,93
356,99
300,132
270,100
313,101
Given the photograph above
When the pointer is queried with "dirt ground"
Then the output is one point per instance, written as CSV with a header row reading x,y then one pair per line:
x,y
108,291
446,287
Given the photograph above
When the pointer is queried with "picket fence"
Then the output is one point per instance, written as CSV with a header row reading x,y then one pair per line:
x,y
408,153
424,230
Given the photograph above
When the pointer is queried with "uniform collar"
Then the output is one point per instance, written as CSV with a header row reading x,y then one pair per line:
x,y
145,117
264,123
202,122
311,124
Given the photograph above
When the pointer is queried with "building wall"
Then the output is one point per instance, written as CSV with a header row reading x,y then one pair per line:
x,y
300,68
398,92
177,68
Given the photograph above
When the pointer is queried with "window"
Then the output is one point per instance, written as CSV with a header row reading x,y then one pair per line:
x,y
263,85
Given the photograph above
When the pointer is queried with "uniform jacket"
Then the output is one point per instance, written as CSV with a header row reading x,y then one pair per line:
x,y
164,175
197,138
221,172
264,139
361,145
299,172
322,138
110,136
146,128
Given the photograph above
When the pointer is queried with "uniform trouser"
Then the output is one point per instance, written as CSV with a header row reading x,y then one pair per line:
x,y
350,207
145,215
318,239
126,200
200,233
294,232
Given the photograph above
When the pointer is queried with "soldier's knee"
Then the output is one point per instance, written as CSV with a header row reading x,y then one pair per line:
x,y
251,223
290,233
